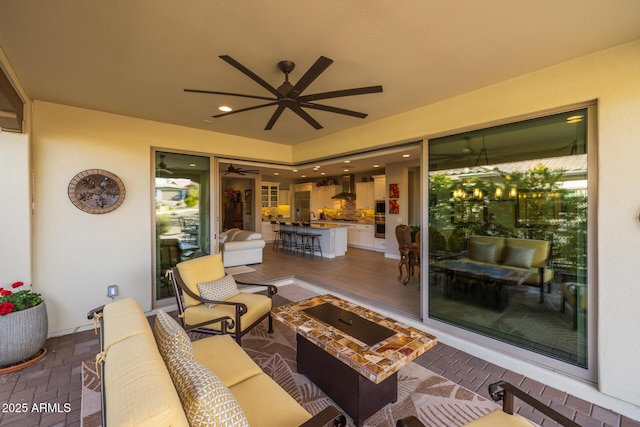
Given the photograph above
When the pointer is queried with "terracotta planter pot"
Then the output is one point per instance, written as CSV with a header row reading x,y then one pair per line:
x,y
22,334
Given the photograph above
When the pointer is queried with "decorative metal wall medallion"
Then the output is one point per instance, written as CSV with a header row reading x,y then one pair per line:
x,y
96,191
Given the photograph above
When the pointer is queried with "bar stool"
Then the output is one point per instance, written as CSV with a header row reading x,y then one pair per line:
x,y
277,237
311,240
285,236
297,237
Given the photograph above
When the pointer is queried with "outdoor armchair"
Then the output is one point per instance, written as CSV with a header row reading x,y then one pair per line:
x,y
221,309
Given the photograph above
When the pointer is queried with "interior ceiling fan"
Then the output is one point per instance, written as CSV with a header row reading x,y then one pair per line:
x,y
290,96
240,171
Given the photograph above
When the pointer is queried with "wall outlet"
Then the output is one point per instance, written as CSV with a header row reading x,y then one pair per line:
x,y
112,291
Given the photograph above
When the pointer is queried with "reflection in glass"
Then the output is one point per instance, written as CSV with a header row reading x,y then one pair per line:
x,y
522,182
182,213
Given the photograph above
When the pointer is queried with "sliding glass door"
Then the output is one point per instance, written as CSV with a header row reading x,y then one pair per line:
x,y
494,194
182,216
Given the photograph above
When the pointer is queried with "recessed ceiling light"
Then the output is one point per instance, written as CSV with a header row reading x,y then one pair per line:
x,y
303,176
225,108
406,155
295,170
347,161
346,170
376,166
322,173
193,165
276,173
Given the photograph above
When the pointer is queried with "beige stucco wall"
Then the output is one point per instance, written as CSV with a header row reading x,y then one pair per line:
x,y
76,255
611,78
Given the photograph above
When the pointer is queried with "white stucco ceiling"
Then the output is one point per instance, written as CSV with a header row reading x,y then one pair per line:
x,y
135,57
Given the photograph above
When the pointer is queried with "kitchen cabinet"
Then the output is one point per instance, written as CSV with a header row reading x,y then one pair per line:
x,y
324,196
303,187
269,194
284,197
360,235
379,187
365,195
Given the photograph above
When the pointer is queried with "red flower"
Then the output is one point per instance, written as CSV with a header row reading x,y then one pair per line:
x,y
17,285
6,307
5,292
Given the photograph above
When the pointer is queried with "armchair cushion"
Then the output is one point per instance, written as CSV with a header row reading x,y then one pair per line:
x,y
200,270
219,289
236,235
205,399
257,305
498,418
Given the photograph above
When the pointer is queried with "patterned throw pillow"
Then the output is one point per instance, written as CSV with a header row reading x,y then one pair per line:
x,y
519,257
205,399
219,290
171,338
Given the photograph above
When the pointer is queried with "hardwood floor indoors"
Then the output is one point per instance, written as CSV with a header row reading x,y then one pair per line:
x,y
364,273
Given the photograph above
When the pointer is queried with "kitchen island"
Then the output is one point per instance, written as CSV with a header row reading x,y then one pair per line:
x,y
332,237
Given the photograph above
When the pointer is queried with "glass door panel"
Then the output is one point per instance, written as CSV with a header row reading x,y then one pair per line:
x,y
183,224
522,184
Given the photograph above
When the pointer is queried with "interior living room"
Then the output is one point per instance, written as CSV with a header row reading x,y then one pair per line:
x,y
494,137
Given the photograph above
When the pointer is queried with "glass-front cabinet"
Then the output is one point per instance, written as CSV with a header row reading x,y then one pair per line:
x,y
269,194
508,233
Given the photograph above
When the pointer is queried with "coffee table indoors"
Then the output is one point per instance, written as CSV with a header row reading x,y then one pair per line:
x,y
352,353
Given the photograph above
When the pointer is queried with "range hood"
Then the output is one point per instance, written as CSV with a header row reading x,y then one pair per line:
x,y
348,188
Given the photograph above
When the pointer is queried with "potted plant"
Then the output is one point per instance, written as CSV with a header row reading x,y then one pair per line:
x,y
23,326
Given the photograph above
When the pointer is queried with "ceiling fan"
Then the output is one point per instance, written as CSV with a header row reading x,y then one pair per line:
x,y
240,171
289,96
162,166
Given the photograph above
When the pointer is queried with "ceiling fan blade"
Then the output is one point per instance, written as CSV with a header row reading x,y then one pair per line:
x,y
230,94
341,93
299,111
269,104
274,117
312,73
333,110
253,76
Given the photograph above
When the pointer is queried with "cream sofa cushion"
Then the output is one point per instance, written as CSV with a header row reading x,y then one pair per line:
x,y
200,270
518,256
205,399
483,252
216,351
139,391
266,404
540,253
170,337
258,305
126,319
498,418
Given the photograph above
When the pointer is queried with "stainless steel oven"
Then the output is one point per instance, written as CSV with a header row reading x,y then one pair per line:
x,y
379,225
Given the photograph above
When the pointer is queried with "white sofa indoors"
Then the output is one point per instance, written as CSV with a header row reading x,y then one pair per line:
x,y
241,247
